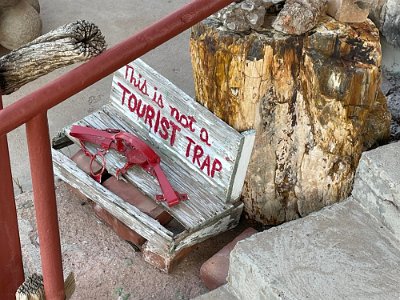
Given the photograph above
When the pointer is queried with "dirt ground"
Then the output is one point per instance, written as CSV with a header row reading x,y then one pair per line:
x,y
105,266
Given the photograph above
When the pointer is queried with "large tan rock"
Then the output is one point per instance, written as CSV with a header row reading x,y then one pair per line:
x,y
7,3
312,100
19,25
299,16
247,14
386,16
35,4
350,11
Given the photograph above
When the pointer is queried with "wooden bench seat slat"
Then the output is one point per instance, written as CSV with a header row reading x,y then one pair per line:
x,y
144,225
224,222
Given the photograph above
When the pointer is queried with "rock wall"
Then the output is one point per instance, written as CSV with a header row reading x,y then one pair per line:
x,y
313,99
387,17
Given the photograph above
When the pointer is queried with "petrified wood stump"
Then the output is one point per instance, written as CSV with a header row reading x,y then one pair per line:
x,y
313,99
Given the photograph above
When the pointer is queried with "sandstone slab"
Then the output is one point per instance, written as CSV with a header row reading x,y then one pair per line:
x,y
337,253
221,293
350,250
377,185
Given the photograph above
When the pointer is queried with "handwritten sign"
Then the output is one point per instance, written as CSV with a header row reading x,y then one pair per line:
x,y
201,155
166,120
176,120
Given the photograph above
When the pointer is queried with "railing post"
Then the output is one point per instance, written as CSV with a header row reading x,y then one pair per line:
x,y
37,131
11,268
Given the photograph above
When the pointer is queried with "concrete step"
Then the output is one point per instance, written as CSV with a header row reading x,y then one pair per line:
x,y
340,252
377,185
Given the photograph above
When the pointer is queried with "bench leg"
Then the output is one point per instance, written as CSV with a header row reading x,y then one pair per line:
x,y
184,243
163,261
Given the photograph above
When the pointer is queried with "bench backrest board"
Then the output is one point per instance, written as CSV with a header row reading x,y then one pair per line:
x,y
201,155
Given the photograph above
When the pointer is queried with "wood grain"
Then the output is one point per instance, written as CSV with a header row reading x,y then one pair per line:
x,y
314,101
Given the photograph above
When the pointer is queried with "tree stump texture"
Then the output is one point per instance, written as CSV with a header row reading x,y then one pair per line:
x,y
314,100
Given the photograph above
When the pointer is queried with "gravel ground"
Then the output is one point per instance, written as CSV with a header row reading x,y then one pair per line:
x,y
105,266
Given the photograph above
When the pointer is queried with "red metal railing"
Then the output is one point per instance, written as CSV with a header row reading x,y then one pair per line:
x,y
32,111
11,271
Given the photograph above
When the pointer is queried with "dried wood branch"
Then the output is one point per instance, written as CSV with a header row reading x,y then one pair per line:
x,y
71,43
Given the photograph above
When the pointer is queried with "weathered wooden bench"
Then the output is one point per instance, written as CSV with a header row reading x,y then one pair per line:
x,y
200,154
